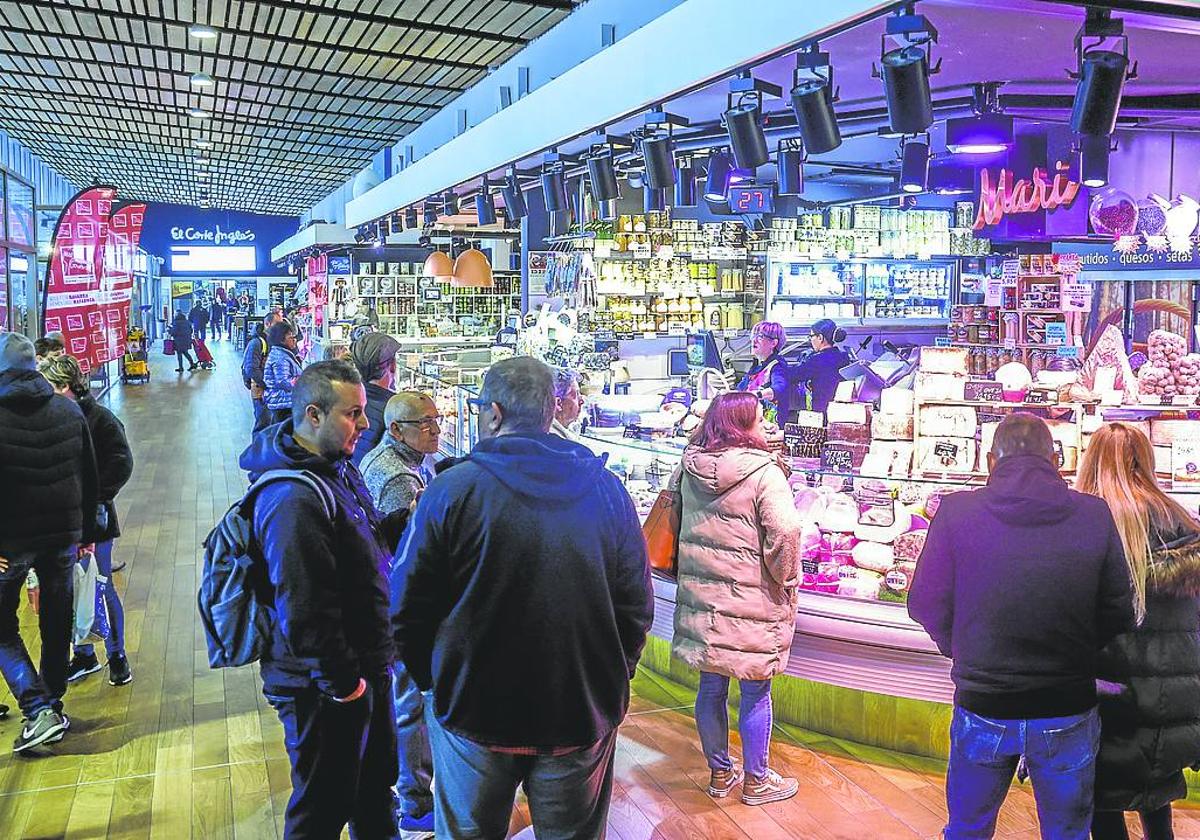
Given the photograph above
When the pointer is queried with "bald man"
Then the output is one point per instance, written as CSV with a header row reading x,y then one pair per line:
x,y
1021,583
395,471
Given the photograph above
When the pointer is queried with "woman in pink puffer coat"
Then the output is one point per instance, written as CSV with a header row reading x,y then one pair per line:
x,y
735,605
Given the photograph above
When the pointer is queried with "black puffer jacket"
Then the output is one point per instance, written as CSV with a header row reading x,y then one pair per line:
x,y
47,467
377,400
1152,730
114,462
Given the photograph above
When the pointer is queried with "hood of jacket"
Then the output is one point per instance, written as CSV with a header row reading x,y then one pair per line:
x,y
1174,569
1027,490
275,448
720,471
24,390
543,466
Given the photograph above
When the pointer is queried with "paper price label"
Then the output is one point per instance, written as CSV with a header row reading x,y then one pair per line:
x,y
1067,351
677,332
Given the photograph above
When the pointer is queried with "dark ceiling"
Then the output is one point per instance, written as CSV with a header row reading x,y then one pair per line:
x,y
306,91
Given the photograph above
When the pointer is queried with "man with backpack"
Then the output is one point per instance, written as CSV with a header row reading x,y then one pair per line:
x,y
327,667
253,362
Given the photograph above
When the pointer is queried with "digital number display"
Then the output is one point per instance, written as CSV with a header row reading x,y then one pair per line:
x,y
752,199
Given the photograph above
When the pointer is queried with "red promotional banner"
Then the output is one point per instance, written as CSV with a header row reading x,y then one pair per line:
x,y
116,280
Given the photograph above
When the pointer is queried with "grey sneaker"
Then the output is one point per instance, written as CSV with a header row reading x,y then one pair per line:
x,y
770,787
47,725
722,782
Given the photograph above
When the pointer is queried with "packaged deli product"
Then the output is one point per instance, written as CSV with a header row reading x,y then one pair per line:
x,y
875,557
908,546
892,426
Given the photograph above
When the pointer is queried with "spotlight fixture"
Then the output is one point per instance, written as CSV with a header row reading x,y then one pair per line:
x,y
653,199
410,218
948,177
1101,74
746,136
554,188
602,176
360,236
450,203
914,167
716,183
812,102
429,213
685,184
198,113
202,32
791,167
485,204
202,80
905,71
1093,160
659,155
514,199
982,134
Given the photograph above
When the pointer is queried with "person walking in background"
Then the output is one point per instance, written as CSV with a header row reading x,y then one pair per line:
x,y
567,403
114,465
1021,583
1149,705
254,360
327,671
48,492
231,312
199,318
521,596
769,378
735,603
280,370
374,354
181,335
217,316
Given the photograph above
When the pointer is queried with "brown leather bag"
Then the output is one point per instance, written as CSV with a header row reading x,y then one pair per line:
x,y
661,528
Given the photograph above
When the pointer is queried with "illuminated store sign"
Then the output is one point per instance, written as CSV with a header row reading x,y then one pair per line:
x,y
1010,197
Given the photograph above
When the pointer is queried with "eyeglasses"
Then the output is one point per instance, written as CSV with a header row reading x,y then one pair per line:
x,y
424,422
476,405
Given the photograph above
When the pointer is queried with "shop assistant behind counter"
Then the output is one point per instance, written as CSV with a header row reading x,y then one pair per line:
x,y
820,373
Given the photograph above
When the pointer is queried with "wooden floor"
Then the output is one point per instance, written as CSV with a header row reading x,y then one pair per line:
x,y
188,752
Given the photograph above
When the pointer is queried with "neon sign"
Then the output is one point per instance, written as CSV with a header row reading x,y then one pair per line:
x,y
1009,198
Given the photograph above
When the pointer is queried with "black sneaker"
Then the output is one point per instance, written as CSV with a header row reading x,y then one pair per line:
x,y
48,725
3,711
118,670
82,665
119,566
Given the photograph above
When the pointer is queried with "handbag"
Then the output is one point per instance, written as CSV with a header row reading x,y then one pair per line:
x,y
169,346
661,528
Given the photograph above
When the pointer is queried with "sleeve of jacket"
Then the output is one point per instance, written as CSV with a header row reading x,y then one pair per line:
x,y
275,375
1114,607
420,585
251,368
780,379
629,577
931,596
89,480
781,525
297,542
113,456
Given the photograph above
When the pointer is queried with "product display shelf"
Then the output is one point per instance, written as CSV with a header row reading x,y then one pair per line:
x,y
412,306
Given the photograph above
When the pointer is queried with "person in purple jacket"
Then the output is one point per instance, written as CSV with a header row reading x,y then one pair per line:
x,y
1021,583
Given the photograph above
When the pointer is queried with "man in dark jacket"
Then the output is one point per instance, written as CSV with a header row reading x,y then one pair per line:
x,y
217,316
328,671
374,354
253,360
1021,583
522,596
199,318
47,502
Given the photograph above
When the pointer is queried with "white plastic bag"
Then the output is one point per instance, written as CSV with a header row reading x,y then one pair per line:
x,y
85,596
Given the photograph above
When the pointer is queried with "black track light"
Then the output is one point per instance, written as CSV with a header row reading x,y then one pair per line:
x,y
410,218
430,213
360,236
905,74
812,101
746,136
450,203
685,185
1098,94
791,169
514,199
653,199
485,204
716,183
602,176
554,189
659,155
914,167
1093,160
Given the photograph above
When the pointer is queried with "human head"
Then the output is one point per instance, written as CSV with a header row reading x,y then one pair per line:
x,y
567,402
16,352
733,419
517,397
1021,434
825,333
1118,466
65,375
766,339
50,344
329,409
412,417
282,334
374,354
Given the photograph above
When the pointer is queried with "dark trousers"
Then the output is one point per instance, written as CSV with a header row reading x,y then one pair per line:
x,y
179,354
216,327
200,331
343,759
262,415
55,570
1156,825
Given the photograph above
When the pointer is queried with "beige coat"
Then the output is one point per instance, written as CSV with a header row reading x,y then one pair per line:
x,y
739,561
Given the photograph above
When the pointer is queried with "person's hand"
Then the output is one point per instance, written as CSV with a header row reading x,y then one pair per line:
x,y
354,695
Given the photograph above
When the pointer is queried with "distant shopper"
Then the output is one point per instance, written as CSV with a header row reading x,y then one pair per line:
x,y
199,318
217,315
47,503
114,464
231,312
1021,583
567,403
375,357
281,370
735,603
51,344
328,670
522,596
254,360
181,335
1149,708
820,373
769,378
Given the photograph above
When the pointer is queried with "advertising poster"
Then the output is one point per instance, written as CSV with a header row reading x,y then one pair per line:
x,y
116,281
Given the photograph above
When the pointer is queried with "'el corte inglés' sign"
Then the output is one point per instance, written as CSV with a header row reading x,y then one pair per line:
x,y
216,235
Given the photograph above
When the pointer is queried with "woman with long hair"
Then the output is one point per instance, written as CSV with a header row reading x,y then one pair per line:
x,y
1149,678
735,604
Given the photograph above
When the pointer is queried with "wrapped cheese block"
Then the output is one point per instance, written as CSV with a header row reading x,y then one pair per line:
x,y
886,426
844,392
908,546
840,515
944,360
889,457
850,432
896,401
939,386
947,421
848,413
1166,432
873,556
810,419
945,454
1109,354
1162,460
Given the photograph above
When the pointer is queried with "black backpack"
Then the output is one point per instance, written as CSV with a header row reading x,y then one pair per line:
x,y
234,597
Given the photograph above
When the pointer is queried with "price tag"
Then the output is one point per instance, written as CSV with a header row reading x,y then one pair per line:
x,y
699,253
677,332
641,251
835,458
649,335
1010,270
1010,344
1037,396
730,333
1056,332
941,341
603,248
431,294
993,292
1076,297
1067,351
1183,399
983,390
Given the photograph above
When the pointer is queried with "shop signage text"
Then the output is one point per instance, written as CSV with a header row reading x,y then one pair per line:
x,y
215,235
1009,197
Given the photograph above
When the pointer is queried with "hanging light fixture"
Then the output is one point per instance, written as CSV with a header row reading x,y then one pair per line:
x,y
1098,94
914,167
906,86
812,102
439,266
653,199
472,271
514,199
982,134
1093,160
429,212
450,203
746,136
602,176
554,188
791,168
410,218
485,204
716,183
658,152
948,177
685,184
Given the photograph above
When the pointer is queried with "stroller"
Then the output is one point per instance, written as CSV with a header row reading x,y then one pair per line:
x,y
203,357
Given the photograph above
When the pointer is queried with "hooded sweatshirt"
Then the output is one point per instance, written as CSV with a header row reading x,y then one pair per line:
x,y
522,594
1021,583
47,467
329,578
739,553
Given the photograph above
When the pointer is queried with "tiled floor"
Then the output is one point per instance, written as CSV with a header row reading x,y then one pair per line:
x,y
189,752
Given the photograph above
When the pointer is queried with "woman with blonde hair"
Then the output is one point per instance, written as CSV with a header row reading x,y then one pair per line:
x,y
1150,677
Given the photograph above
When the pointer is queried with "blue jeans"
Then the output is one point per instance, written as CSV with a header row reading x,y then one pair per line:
x,y
473,798
416,759
55,570
1061,756
115,643
754,722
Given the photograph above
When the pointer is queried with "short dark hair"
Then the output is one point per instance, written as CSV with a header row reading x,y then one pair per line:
x,y
316,386
277,332
1022,433
48,344
523,387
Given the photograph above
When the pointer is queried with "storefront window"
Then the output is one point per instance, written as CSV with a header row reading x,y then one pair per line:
x,y
3,289
20,283
20,213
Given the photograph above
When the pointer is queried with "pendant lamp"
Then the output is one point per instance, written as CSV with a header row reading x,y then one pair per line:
x,y
472,270
439,266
